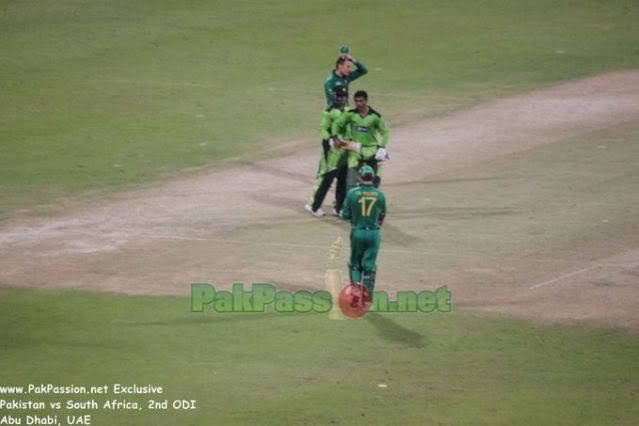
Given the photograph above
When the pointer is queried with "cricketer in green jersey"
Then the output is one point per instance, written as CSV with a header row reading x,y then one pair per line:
x,y
333,160
342,75
371,135
365,208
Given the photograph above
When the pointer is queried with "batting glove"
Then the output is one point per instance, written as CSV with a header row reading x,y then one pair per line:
x,y
381,154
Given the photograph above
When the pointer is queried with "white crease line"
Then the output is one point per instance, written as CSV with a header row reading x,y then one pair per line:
x,y
434,253
581,271
561,277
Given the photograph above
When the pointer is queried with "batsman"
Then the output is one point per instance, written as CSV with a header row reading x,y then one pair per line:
x,y
365,207
333,160
367,125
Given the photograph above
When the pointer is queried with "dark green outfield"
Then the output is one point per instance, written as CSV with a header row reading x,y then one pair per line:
x,y
305,369
100,94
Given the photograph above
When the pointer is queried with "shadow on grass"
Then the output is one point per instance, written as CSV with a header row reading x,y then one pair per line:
x,y
393,332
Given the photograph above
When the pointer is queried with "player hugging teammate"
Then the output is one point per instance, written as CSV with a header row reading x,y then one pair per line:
x,y
353,149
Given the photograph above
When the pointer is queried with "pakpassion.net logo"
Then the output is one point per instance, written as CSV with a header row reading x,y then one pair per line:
x,y
353,300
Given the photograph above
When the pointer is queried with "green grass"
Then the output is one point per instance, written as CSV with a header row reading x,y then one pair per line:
x,y
305,369
101,94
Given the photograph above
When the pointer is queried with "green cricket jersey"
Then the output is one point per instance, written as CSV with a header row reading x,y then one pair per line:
x,y
363,129
332,157
329,116
364,206
333,80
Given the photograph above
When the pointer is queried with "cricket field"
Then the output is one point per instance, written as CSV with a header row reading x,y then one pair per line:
x,y
149,145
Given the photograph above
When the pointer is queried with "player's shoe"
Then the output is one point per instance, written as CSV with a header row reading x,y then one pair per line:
x,y
336,213
316,213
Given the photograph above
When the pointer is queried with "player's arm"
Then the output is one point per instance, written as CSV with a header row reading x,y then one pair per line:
x,y
340,124
382,208
325,125
381,154
325,132
360,70
383,131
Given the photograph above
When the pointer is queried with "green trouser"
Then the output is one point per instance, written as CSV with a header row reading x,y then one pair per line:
x,y
364,247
